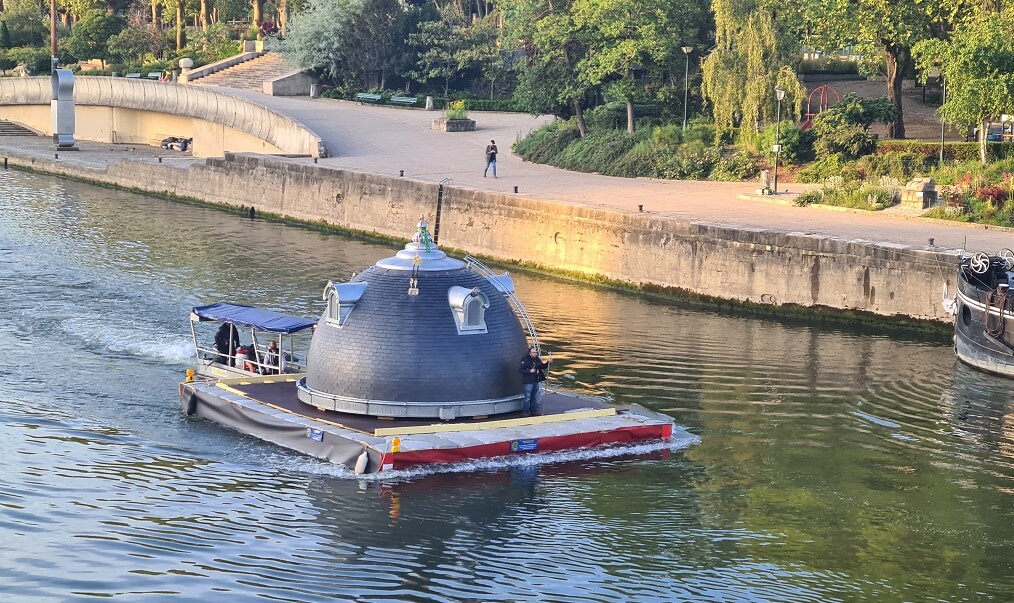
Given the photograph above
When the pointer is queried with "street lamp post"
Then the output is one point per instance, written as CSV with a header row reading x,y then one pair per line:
x,y
943,99
780,94
686,83
52,36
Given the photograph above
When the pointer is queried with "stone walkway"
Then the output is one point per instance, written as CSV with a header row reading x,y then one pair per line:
x,y
395,141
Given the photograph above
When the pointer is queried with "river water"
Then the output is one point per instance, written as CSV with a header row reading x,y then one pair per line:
x,y
825,463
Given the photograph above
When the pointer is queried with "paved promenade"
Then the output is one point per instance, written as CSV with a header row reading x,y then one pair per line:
x,y
387,140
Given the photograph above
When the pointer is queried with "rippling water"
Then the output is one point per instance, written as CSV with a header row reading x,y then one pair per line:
x,y
832,465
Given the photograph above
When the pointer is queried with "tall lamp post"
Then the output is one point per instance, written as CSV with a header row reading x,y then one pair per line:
x,y
686,83
52,36
943,99
778,134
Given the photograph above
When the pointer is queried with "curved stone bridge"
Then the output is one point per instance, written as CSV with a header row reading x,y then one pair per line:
x,y
120,110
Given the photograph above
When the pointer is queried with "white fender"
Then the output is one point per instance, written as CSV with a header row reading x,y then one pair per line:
x,y
362,462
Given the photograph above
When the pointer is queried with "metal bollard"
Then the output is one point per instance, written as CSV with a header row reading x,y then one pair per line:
x,y
640,207
515,189
401,172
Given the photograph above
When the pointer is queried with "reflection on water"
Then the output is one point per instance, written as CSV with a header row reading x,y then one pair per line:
x,y
831,464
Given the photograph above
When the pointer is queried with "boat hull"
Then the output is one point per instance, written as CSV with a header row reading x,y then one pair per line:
x,y
984,326
268,408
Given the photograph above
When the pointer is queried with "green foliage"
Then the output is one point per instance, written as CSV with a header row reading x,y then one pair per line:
x,y
5,36
739,167
90,37
597,152
613,115
36,60
844,128
823,167
750,59
667,136
638,162
829,66
689,162
797,144
855,194
25,24
700,133
348,43
214,43
546,143
903,166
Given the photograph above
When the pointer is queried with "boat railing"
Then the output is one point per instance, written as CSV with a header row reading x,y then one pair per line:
x,y
257,365
519,308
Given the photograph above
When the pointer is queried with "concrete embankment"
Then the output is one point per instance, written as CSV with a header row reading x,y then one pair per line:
x,y
759,266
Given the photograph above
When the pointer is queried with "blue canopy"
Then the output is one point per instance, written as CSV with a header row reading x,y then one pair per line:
x,y
248,316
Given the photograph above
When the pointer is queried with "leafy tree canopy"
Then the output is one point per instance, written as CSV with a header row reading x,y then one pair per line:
x,y
978,68
90,37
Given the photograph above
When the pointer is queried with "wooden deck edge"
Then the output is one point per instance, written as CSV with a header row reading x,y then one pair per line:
x,y
452,427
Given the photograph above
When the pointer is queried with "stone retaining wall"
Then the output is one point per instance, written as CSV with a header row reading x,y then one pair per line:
x,y
742,264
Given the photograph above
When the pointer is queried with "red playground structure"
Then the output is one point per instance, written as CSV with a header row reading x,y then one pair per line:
x,y
823,94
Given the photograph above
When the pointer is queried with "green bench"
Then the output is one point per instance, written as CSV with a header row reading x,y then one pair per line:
x,y
366,97
134,76
403,100
154,75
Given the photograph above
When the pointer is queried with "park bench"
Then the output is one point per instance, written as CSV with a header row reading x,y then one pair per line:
x,y
134,76
366,97
154,75
403,100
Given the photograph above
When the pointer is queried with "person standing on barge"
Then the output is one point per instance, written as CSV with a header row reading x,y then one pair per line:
x,y
533,373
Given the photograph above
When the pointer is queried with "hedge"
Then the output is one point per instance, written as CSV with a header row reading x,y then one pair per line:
x,y
953,151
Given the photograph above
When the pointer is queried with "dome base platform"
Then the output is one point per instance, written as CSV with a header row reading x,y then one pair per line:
x,y
268,408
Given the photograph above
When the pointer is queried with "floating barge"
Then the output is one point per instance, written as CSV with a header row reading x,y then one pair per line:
x,y
415,361
268,407
984,312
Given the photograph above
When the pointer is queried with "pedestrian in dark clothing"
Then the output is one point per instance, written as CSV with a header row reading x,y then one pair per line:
x,y
226,342
490,158
533,374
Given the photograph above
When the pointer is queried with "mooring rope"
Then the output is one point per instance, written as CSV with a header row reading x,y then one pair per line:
x,y
1001,304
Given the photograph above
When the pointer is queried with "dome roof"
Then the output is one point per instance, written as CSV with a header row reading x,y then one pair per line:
x,y
417,335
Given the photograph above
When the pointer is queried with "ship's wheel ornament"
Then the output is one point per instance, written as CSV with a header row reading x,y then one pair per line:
x,y
1008,258
979,263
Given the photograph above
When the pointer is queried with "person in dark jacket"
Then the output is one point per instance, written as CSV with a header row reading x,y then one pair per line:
x,y
226,335
533,373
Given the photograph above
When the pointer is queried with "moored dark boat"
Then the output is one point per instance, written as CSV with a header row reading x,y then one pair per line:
x,y
984,312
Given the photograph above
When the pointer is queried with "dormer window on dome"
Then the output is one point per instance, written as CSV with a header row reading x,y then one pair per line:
x,y
341,299
469,309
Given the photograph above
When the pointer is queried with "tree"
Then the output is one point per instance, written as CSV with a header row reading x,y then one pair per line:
x,y
625,35
883,28
90,37
347,42
552,46
439,49
977,64
5,36
751,58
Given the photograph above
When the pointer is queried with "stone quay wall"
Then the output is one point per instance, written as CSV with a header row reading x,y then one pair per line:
x,y
638,249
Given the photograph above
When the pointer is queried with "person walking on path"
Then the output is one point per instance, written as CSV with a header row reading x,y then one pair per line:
x,y
533,374
490,158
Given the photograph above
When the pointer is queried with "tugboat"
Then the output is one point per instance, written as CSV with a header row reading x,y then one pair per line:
x,y
413,362
984,312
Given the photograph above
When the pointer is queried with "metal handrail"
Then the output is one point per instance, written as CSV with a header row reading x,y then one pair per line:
x,y
519,308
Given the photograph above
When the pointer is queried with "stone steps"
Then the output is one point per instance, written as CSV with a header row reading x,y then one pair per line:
x,y
9,128
250,75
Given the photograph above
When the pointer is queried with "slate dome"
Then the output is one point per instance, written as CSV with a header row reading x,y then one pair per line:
x,y
418,335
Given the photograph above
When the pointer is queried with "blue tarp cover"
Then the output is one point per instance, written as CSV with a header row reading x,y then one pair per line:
x,y
248,316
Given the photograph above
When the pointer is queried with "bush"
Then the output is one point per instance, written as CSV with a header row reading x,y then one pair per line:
x,y
736,168
828,66
36,60
797,144
596,152
690,162
823,168
504,105
547,143
898,165
669,135
639,162
856,195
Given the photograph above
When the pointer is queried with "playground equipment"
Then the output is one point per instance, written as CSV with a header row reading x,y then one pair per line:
x,y
823,94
